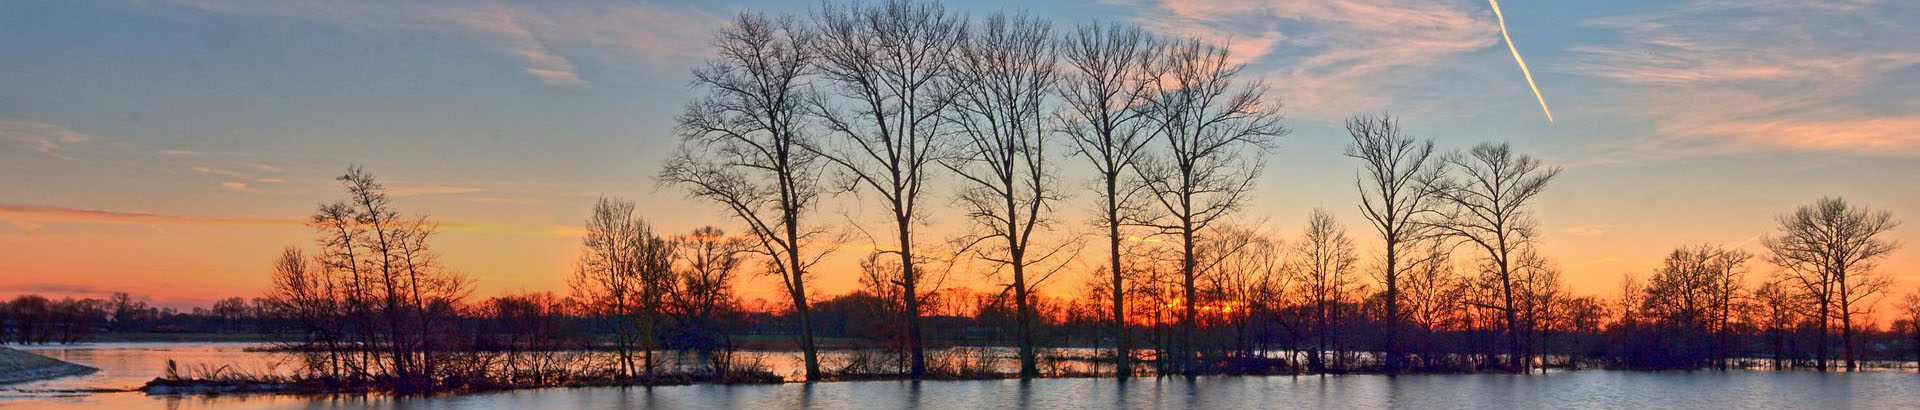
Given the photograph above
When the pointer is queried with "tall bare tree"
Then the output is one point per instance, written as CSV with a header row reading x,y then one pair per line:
x,y
744,145
1487,204
891,65
1830,249
610,277
1216,131
1393,182
1104,86
1003,75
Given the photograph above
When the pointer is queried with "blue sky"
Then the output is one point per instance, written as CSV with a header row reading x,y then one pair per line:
x,y
1679,122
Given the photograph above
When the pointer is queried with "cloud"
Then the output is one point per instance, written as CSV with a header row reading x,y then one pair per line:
x,y
1590,230
236,174
1717,78
431,190
62,214
534,33
41,137
1331,58
242,187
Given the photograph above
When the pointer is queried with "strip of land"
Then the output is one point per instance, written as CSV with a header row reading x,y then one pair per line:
x,y
18,367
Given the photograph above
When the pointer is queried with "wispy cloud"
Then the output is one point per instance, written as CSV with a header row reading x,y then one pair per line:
x,y
242,187
236,174
1717,77
63,214
431,190
1590,230
531,32
49,139
1330,58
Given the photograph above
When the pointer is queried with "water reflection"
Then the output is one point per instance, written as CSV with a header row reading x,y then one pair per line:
x,y
1582,389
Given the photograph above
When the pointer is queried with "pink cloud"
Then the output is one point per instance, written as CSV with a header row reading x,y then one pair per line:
x,y
658,35
1719,78
60,214
41,137
1355,52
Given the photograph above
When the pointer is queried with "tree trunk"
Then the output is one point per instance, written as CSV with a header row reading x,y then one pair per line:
x,y
1513,320
909,282
1393,310
1123,365
1188,325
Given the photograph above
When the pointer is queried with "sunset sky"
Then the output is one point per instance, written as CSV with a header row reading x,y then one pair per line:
x,y
170,148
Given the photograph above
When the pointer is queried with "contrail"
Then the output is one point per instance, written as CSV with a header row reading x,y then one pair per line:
x,y
1517,59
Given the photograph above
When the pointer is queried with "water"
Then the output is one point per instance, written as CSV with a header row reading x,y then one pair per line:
x,y
127,365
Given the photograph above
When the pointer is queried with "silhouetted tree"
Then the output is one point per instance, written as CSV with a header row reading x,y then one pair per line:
x,y
892,66
1485,198
1324,267
1104,85
1205,171
624,276
1910,313
1830,249
1690,300
1433,293
1003,73
385,293
1393,185
1778,308
744,147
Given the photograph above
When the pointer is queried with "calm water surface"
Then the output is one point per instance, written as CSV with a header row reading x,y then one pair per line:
x,y
131,364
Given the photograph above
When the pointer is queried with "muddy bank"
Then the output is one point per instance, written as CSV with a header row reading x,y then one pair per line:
x,y
17,367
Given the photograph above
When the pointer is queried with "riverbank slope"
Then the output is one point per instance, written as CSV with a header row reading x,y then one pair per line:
x,y
17,366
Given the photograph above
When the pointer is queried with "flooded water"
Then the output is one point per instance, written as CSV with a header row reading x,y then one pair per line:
x,y
128,365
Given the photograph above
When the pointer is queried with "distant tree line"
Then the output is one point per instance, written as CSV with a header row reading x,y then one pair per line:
x,y
36,319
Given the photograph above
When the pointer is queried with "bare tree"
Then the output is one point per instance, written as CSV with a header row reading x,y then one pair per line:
x,y
1830,249
1539,295
702,289
1003,73
1245,271
1393,188
608,278
1433,294
1215,131
1691,299
744,147
379,293
1324,266
1910,313
1778,306
1487,205
892,65
1104,85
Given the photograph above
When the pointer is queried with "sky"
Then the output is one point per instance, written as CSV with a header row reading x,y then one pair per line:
x,y
171,148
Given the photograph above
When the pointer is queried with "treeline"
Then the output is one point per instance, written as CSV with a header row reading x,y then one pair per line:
x,y
36,319
870,102
897,103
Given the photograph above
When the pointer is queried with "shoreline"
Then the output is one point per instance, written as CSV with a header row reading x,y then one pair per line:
x,y
18,366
